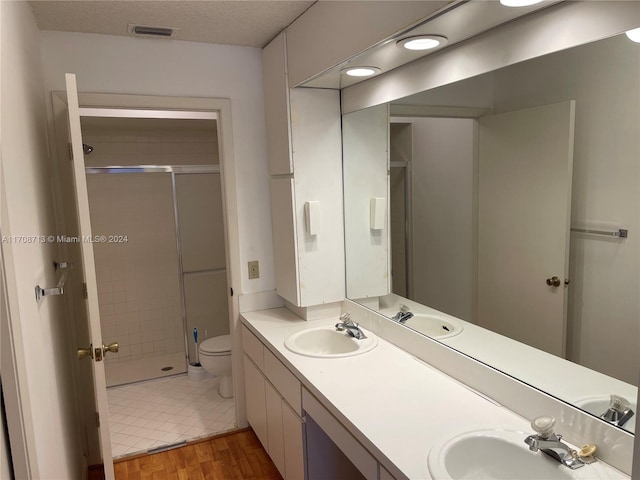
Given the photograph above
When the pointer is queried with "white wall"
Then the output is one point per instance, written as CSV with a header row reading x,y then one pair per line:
x,y
442,186
42,351
112,64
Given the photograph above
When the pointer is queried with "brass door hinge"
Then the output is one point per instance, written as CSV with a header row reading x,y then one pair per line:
x,y
85,292
97,420
70,151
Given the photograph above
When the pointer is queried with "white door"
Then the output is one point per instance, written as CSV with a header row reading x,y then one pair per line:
x,y
89,273
524,198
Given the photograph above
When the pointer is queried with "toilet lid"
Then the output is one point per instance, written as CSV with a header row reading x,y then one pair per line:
x,y
220,344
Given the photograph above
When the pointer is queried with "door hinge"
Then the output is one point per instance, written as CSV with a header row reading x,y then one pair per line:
x,y
231,291
70,151
85,292
97,420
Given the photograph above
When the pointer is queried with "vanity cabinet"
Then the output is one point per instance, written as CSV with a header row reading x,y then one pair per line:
x,y
274,407
305,163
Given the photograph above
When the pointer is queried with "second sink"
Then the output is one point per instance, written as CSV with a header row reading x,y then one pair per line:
x,y
327,342
434,326
500,455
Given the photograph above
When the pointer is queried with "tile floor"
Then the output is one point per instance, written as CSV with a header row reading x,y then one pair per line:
x,y
160,412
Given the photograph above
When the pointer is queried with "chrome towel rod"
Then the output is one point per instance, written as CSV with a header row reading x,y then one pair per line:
x,y
619,233
58,289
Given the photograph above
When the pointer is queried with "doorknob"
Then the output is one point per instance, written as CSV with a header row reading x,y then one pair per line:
x,y
102,351
112,347
85,352
554,281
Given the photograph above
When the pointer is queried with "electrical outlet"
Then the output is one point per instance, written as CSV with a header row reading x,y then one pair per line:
x,y
254,269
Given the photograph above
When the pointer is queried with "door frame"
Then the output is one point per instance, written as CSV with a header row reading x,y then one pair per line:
x,y
221,106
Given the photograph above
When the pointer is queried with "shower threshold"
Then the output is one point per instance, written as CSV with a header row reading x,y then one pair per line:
x,y
131,371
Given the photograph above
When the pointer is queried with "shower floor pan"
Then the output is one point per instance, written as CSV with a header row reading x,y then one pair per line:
x,y
131,371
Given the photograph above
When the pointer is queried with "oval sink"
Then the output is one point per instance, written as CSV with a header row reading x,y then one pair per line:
x,y
327,342
598,406
500,455
434,326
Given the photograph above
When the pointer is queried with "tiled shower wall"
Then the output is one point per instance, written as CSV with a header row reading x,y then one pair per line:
x,y
138,279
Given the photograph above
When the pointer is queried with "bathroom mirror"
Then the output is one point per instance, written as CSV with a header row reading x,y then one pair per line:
x,y
472,205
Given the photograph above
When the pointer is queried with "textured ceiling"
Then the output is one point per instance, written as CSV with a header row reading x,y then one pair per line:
x,y
246,22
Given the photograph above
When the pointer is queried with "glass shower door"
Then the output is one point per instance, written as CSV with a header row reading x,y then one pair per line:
x,y
138,274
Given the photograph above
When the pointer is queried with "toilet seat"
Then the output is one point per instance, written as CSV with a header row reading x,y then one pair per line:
x,y
216,346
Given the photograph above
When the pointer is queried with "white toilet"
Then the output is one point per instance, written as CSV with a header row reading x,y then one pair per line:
x,y
215,358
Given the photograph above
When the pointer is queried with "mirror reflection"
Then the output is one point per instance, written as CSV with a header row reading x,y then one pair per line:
x,y
510,205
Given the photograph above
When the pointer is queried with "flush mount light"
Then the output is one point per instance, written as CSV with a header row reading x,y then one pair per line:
x,y
634,35
360,71
422,42
519,3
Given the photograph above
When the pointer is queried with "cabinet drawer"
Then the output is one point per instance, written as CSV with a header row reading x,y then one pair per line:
x,y
285,382
253,347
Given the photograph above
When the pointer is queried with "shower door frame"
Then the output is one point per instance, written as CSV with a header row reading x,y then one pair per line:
x,y
118,103
172,170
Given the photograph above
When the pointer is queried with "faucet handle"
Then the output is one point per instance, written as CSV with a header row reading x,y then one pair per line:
x,y
345,317
543,426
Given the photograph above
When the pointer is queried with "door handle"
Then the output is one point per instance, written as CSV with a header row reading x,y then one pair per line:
x,y
554,281
85,352
100,352
112,347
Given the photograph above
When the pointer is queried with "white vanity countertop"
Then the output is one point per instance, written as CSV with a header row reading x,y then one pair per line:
x,y
397,406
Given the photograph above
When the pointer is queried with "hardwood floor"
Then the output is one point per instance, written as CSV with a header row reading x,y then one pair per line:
x,y
238,456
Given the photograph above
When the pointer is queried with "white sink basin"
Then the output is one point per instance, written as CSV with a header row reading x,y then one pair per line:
x,y
599,405
434,326
500,455
327,342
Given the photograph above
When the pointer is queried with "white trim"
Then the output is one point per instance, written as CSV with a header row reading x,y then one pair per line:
x,y
221,107
133,113
14,376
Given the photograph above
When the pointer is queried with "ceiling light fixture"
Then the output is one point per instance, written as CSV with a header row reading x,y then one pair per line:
x,y
422,42
360,71
519,3
634,35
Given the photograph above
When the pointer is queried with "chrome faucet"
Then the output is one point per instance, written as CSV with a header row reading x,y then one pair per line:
x,y
350,326
619,411
551,443
403,315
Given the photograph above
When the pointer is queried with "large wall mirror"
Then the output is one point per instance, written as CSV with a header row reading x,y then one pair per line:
x,y
501,215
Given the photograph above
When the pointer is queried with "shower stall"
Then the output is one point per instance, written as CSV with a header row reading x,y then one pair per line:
x,y
156,213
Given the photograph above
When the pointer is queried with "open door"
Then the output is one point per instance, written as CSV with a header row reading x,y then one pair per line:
x,y
524,202
97,350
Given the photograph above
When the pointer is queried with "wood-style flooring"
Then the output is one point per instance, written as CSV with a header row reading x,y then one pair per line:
x,y
238,456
